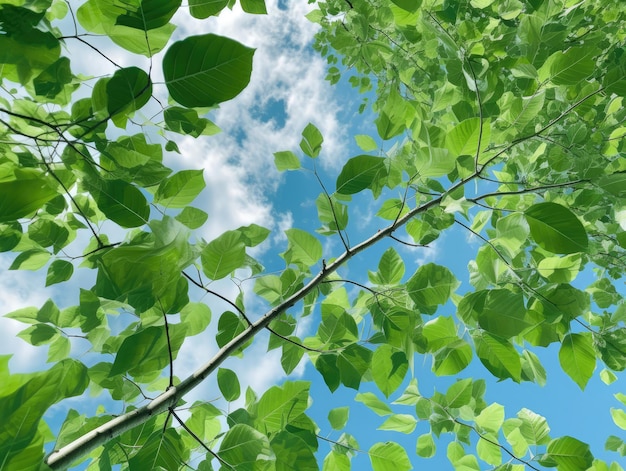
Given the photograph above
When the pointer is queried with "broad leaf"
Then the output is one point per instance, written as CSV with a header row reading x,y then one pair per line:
x,y
206,70
556,229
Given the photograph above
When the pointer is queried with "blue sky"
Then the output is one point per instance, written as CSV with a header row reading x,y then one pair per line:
x,y
286,92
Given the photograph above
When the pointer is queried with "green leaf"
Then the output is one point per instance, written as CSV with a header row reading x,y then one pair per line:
x,y
463,139
453,358
408,5
373,403
180,189
27,193
365,142
439,332
619,417
223,255
244,448
491,418
556,229
430,286
460,393
291,449
286,160
202,9
32,259
228,383
426,447
534,427
389,456
359,173
186,121
255,7
145,351
58,271
498,355
569,454
281,405
162,450
206,70
196,317
504,314
578,358
390,268
127,91
403,423
353,362
303,250
389,367
121,202
338,417
191,217
572,66
311,143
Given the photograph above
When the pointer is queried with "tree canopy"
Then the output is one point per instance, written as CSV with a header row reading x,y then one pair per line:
x,y
502,118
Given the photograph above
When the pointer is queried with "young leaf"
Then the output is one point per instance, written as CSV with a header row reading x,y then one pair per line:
x,y
311,143
180,189
338,417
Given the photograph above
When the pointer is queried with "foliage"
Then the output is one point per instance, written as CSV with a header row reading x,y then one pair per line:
x,y
506,119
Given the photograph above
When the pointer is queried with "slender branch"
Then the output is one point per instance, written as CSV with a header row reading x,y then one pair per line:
x,y
198,439
345,243
169,344
493,442
216,294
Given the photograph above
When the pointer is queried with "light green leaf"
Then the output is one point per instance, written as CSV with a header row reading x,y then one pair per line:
x,y
389,456
180,189
32,259
489,452
491,418
223,255
373,403
460,393
426,447
206,70
311,143
286,160
453,358
121,202
556,229
403,423
430,286
22,196
463,139
619,417
192,217
389,367
303,249
390,268
281,405
245,448
578,358
534,427
338,417
196,316
365,142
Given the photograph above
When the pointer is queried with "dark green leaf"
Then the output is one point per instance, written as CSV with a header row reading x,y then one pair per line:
x,y
206,70
359,173
228,383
